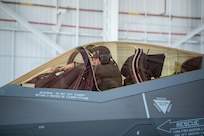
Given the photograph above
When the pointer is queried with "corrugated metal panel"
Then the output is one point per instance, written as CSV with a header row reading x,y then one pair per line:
x,y
6,70
6,57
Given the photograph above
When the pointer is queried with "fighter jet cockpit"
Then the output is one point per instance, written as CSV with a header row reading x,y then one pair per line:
x,y
103,66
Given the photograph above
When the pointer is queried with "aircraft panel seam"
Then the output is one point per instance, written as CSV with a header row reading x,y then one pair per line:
x,y
145,105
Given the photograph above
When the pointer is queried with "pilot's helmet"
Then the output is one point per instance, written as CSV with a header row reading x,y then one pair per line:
x,y
103,53
90,47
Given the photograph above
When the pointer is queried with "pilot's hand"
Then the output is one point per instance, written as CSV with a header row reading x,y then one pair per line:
x,y
69,66
51,70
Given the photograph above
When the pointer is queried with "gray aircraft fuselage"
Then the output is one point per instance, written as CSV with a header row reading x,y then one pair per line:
x,y
168,106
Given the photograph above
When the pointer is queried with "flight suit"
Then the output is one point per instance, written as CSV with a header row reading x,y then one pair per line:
x,y
107,76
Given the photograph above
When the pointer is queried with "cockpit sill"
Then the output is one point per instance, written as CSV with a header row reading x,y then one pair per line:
x,y
12,90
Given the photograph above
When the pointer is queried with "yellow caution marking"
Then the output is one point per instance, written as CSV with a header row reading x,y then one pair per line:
x,y
134,13
26,4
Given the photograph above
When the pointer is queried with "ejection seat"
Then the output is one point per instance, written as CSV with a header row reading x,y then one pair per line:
x,y
142,67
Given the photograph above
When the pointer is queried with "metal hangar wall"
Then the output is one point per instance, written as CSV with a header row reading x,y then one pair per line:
x,y
35,31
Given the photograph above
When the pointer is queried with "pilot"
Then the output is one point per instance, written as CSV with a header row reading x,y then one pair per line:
x,y
107,74
106,70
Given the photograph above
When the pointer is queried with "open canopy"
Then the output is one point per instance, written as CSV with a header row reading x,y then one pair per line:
x,y
137,63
